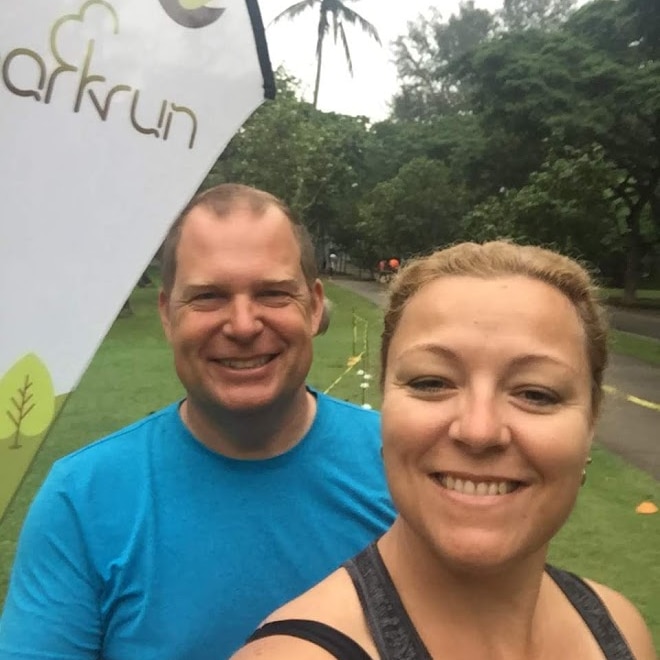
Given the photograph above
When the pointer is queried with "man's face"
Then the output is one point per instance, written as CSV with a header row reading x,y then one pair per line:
x,y
240,316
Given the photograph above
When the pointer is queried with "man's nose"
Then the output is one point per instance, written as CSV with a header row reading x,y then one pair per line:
x,y
243,322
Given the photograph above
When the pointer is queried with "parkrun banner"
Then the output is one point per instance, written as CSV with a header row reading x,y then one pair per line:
x,y
112,112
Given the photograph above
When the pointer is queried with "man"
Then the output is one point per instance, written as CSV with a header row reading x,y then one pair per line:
x,y
175,536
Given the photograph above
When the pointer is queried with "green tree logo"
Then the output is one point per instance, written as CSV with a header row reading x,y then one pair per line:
x,y
27,400
191,13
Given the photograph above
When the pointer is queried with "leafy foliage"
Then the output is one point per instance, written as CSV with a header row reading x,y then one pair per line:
x,y
309,158
568,204
424,58
574,86
417,210
518,15
537,122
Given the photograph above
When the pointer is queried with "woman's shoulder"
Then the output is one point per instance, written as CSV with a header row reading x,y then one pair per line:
x,y
628,619
332,602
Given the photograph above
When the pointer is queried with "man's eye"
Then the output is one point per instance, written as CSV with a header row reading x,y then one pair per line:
x,y
206,299
275,295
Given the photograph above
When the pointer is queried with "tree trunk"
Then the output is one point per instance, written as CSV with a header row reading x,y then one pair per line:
x,y
633,255
655,208
317,84
126,310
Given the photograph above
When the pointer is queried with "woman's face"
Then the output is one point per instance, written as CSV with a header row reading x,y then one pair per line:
x,y
486,417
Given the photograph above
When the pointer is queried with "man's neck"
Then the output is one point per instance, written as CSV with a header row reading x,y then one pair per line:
x,y
254,434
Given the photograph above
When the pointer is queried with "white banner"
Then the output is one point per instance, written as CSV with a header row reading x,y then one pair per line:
x,y
112,112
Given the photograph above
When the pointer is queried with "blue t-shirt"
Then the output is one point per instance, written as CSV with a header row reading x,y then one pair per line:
x,y
146,545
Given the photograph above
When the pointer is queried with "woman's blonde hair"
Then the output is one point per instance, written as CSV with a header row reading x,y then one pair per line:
x,y
504,258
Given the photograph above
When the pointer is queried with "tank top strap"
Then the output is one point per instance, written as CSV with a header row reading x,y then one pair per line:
x,y
392,630
331,640
594,613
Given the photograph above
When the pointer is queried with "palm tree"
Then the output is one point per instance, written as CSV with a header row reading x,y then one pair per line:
x,y
339,13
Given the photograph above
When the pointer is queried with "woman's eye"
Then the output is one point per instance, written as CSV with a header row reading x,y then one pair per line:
x,y
429,384
539,397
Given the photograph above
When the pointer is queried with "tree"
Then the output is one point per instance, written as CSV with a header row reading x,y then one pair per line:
x,y
424,57
542,14
333,12
645,23
309,158
569,204
574,86
417,210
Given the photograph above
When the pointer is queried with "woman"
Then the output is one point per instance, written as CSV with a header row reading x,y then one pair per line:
x,y
492,365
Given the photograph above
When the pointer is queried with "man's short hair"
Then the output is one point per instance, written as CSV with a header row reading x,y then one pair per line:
x,y
222,200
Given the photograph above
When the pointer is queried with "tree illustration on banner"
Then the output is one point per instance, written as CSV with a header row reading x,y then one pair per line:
x,y
27,400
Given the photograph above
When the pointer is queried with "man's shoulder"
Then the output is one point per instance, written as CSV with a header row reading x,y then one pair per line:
x,y
121,445
342,408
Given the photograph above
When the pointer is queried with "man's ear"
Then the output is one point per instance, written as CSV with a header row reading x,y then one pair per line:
x,y
164,311
320,309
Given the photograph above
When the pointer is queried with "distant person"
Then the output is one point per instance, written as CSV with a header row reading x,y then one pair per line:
x,y
383,270
492,366
172,538
393,264
332,257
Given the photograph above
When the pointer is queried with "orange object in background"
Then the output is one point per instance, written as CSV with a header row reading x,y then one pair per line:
x,y
646,507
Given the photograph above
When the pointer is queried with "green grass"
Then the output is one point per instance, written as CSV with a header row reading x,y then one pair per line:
x,y
132,374
642,294
333,349
645,298
607,541
642,348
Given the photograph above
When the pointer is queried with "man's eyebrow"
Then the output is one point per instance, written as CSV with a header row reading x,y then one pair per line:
x,y
199,286
285,283
194,287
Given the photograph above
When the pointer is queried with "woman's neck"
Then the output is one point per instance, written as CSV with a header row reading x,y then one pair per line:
x,y
476,612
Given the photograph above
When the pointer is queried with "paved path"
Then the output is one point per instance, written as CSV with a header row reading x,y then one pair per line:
x,y
628,427
638,321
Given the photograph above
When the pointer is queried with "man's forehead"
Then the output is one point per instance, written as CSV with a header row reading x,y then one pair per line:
x,y
240,218
244,211
204,227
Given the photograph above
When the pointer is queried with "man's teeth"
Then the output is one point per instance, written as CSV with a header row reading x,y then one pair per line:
x,y
468,487
251,363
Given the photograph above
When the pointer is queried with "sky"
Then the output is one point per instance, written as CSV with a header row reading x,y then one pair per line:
x,y
293,45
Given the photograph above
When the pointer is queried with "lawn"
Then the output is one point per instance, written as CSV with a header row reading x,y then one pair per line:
x,y
642,294
132,375
645,298
637,346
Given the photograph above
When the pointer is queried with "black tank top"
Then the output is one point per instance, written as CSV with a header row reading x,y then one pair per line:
x,y
395,636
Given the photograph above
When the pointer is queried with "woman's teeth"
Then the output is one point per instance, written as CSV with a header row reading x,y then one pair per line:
x,y
469,487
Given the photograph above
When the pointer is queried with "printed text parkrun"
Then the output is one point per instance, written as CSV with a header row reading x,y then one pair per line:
x,y
43,86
